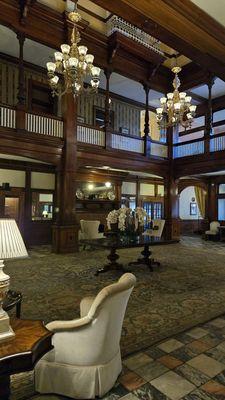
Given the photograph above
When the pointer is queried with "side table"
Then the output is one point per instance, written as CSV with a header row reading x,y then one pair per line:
x,y
32,340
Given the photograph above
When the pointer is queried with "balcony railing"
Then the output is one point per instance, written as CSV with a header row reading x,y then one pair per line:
x,y
44,125
190,148
217,142
127,143
91,135
7,117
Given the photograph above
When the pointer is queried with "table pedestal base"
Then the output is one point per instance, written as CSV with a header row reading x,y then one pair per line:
x,y
5,387
113,265
146,260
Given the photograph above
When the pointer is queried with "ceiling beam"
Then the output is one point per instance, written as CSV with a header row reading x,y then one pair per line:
x,y
180,24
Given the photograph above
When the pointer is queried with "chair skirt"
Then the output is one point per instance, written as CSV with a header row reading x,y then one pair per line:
x,y
79,382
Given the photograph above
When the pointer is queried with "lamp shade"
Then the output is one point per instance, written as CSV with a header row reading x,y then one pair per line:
x,y
11,241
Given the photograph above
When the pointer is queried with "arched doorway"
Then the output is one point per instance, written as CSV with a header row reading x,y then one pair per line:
x,y
192,209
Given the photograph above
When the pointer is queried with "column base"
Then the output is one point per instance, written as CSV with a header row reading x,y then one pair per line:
x,y
65,239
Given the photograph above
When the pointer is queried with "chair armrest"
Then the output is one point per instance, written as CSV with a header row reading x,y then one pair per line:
x,y
85,305
56,326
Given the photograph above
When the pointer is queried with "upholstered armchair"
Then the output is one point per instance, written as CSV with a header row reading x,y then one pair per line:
x,y
86,360
213,231
89,230
157,228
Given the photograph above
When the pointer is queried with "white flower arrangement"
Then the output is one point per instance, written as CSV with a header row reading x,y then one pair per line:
x,y
124,214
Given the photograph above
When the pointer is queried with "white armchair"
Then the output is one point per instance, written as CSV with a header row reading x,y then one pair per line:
x,y
86,360
213,230
157,229
89,230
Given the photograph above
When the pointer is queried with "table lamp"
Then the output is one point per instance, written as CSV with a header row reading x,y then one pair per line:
x,y
11,246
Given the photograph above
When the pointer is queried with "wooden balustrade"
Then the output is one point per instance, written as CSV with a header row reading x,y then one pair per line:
x,y
217,142
90,135
159,149
7,117
127,143
193,147
44,125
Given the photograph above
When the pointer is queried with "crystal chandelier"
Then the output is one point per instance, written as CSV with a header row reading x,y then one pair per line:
x,y
72,65
176,108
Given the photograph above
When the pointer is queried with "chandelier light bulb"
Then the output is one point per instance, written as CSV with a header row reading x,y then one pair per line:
x,y
177,106
95,83
170,96
188,99
159,110
182,95
73,62
95,71
163,100
189,116
65,48
51,67
55,80
192,108
89,58
82,50
58,56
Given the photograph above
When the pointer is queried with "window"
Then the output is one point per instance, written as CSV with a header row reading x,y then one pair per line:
x,y
221,209
128,201
153,209
42,206
222,188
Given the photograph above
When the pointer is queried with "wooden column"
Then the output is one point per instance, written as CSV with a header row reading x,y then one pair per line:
x,y
212,209
147,148
172,228
65,231
108,138
209,116
28,207
21,96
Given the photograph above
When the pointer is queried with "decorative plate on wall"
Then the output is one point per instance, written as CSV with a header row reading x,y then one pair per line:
x,y
111,196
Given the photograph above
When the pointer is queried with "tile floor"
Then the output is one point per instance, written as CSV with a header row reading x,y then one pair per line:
x,y
189,366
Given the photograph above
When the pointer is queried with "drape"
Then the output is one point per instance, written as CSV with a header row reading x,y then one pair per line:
x,y
200,198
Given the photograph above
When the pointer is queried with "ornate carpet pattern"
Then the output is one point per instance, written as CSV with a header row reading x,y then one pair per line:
x,y
188,289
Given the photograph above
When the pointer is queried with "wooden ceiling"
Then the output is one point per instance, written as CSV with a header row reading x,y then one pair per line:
x,y
174,23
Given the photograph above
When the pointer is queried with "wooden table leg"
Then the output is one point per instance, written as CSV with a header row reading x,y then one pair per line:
x,y
5,387
113,264
146,260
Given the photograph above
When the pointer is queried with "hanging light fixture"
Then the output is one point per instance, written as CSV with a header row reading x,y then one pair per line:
x,y
72,65
176,108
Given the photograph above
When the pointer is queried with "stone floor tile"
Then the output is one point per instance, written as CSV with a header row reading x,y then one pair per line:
x,y
220,378
199,395
197,333
211,340
170,345
198,347
207,365
131,380
170,361
116,392
214,388
151,370
184,354
173,385
154,352
149,392
191,374
218,322
184,338
216,354
137,361
221,346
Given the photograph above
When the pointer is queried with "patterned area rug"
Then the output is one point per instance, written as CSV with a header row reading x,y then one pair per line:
x,y
188,288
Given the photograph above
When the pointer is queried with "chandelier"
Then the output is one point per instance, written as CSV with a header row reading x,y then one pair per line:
x,y
72,66
176,108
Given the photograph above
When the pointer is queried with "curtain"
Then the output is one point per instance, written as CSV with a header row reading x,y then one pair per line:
x,y
200,197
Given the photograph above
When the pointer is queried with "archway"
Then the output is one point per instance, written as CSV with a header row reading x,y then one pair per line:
x,y
191,212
